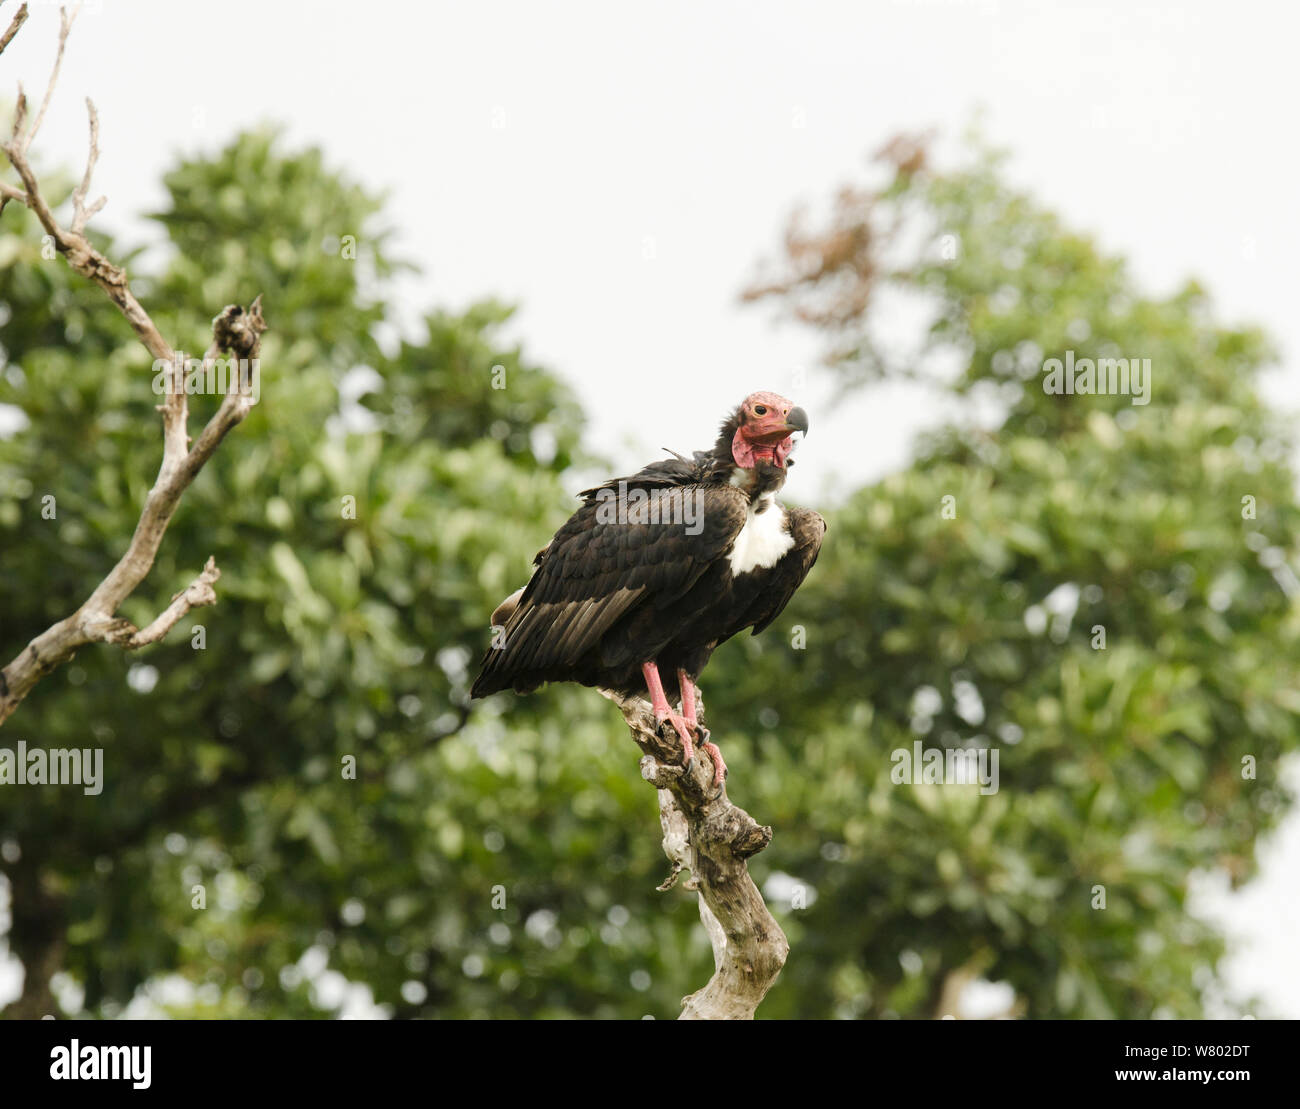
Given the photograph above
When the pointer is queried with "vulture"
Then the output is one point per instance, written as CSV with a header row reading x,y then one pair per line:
x,y
654,571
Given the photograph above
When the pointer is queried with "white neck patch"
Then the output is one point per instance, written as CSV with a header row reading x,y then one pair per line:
x,y
763,541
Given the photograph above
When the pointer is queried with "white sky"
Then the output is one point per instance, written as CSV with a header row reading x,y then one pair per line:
x,y
541,152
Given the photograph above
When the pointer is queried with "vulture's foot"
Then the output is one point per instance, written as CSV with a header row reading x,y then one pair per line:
x,y
683,731
719,766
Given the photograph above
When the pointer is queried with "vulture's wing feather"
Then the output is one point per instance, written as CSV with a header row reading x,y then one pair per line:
x,y
675,471
632,543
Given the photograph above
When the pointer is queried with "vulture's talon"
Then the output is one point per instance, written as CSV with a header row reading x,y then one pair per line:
x,y
719,765
682,730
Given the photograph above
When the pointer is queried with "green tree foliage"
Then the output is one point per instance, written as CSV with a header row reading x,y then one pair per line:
x,y
1098,604
502,862
358,567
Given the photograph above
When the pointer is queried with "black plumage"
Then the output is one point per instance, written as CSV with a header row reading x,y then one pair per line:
x,y
663,566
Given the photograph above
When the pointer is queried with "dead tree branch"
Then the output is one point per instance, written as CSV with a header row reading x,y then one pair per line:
x,y
234,330
712,838
19,19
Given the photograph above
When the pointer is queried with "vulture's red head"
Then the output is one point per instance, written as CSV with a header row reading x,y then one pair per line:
x,y
766,431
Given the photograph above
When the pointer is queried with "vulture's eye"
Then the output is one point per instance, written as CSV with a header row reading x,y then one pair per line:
x,y
760,410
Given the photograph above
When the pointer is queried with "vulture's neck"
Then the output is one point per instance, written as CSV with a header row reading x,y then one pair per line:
x,y
722,448
754,482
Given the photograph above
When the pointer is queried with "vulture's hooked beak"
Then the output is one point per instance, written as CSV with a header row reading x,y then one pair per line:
x,y
796,420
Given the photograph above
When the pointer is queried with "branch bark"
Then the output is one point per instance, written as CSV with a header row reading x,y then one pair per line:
x,y
234,330
712,839
20,17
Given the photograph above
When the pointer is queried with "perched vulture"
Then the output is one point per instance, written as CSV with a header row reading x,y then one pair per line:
x,y
657,569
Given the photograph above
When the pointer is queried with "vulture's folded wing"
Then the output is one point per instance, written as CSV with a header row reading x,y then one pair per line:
x,y
807,527
630,544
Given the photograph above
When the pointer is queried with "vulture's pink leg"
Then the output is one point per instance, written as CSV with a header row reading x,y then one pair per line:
x,y
692,722
663,711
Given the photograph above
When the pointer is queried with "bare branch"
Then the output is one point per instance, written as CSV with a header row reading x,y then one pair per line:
x,y
88,261
198,593
240,333
81,214
72,243
20,112
234,330
65,27
18,21
712,838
